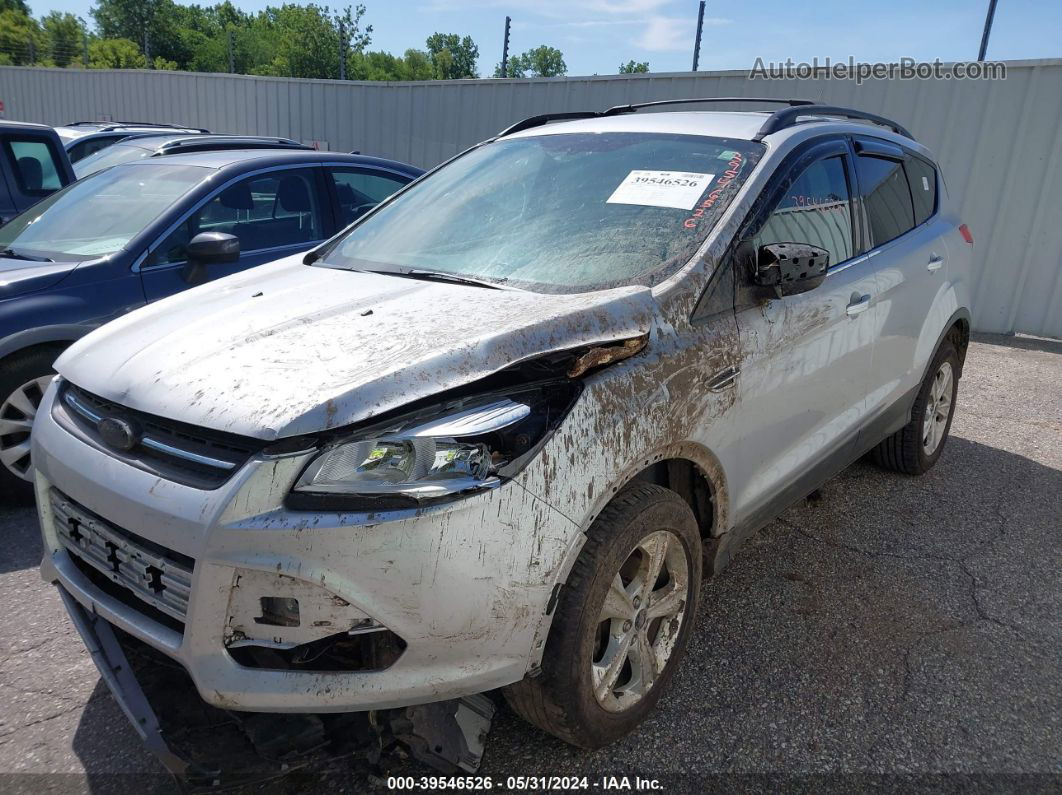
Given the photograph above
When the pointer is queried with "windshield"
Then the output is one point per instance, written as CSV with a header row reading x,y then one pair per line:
x,y
110,156
557,213
99,214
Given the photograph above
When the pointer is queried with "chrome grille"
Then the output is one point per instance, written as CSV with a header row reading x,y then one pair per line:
x,y
193,456
155,575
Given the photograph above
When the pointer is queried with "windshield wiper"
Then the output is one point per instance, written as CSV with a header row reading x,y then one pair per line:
x,y
434,276
10,253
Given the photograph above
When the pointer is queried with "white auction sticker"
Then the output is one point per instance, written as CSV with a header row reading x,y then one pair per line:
x,y
678,189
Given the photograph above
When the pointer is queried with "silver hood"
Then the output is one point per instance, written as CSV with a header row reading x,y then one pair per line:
x,y
286,349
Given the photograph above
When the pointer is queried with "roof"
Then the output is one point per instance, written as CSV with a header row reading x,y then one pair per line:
x,y
22,125
158,140
717,124
263,158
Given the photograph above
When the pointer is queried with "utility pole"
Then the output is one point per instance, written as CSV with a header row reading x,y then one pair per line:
x,y
32,51
697,41
342,51
988,29
505,50
147,48
84,52
232,52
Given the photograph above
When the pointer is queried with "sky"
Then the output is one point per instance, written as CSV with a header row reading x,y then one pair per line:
x,y
597,35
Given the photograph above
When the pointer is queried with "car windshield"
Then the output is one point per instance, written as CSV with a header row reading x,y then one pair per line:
x,y
110,156
100,214
563,212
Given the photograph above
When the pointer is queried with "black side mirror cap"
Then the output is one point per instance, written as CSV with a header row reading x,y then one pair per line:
x,y
790,268
208,248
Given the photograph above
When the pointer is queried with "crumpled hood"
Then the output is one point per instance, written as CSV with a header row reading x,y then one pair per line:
x,y
286,349
19,276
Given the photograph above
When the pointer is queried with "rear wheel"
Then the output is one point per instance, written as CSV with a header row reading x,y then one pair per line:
x,y
623,621
916,447
23,381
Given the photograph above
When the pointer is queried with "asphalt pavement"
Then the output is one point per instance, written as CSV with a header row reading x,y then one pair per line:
x,y
903,632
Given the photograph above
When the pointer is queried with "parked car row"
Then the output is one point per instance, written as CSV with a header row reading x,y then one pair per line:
x,y
486,431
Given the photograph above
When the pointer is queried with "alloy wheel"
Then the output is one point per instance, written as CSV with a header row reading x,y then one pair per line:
x,y
640,621
938,409
16,420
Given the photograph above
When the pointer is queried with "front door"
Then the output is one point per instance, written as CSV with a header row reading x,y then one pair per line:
x,y
805,358
273,213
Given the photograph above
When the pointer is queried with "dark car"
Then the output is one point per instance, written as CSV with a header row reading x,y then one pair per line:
x,y
137,232
139,147
32,165
84,138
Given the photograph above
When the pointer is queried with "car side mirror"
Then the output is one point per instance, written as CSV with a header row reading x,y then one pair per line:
x,y
208,248
789,268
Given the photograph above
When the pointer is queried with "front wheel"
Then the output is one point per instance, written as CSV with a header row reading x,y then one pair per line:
x,y
23,381
623,621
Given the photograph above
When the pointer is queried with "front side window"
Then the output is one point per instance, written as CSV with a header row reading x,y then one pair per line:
x,y
358,191
100,214
265,211
565,212
886,197
816,209
35,166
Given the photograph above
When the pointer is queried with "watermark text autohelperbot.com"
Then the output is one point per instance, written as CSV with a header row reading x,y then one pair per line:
x,y
904,69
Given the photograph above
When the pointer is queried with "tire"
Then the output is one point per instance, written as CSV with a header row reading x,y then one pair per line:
x,y
908,450
23,379
561,699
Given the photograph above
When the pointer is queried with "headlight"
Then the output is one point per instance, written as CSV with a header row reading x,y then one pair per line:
x,y
436,453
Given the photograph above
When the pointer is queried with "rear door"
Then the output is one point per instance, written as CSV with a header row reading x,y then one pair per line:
x,y
805,359
274,213
906,239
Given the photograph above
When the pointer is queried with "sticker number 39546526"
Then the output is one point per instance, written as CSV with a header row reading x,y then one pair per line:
x,y
678,189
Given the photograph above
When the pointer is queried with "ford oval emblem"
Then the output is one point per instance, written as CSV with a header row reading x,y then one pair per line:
x,y
116,433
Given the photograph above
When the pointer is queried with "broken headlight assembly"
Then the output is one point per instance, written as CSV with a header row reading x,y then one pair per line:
x,y
434,454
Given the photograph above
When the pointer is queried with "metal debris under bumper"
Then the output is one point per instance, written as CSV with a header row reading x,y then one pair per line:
x,y
161,578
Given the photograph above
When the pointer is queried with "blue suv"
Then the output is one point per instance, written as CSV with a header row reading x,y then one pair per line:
x,y
134,233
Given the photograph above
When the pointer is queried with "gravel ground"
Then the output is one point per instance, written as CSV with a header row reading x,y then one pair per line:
x,y
892,630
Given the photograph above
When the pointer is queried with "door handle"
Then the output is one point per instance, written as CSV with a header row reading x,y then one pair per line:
x,y
936,262
858,305
723,379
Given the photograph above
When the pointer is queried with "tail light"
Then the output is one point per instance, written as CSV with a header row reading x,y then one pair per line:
x,y
964,230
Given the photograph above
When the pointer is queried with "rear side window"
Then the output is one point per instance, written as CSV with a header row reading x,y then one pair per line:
x,y
922,178
359,191
815,210
35,166
886,196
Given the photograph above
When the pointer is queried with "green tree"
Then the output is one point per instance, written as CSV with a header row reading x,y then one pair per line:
x,y
15,5
542,61
303,41
633,68
63,37
115,54
452,57
21,40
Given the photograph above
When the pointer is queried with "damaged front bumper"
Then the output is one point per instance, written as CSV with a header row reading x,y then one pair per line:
x,y
448,735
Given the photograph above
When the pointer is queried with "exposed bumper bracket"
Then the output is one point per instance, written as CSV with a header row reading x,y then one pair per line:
x,y
448,735
114,667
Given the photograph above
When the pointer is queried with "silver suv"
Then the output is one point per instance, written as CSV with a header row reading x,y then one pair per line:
x,y
492,434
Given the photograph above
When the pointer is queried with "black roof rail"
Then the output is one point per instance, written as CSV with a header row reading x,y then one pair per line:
x,y
544,118
773,100
107,126
787,117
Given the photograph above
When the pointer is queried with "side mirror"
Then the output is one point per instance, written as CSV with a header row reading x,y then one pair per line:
x,y
790,268
208,248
